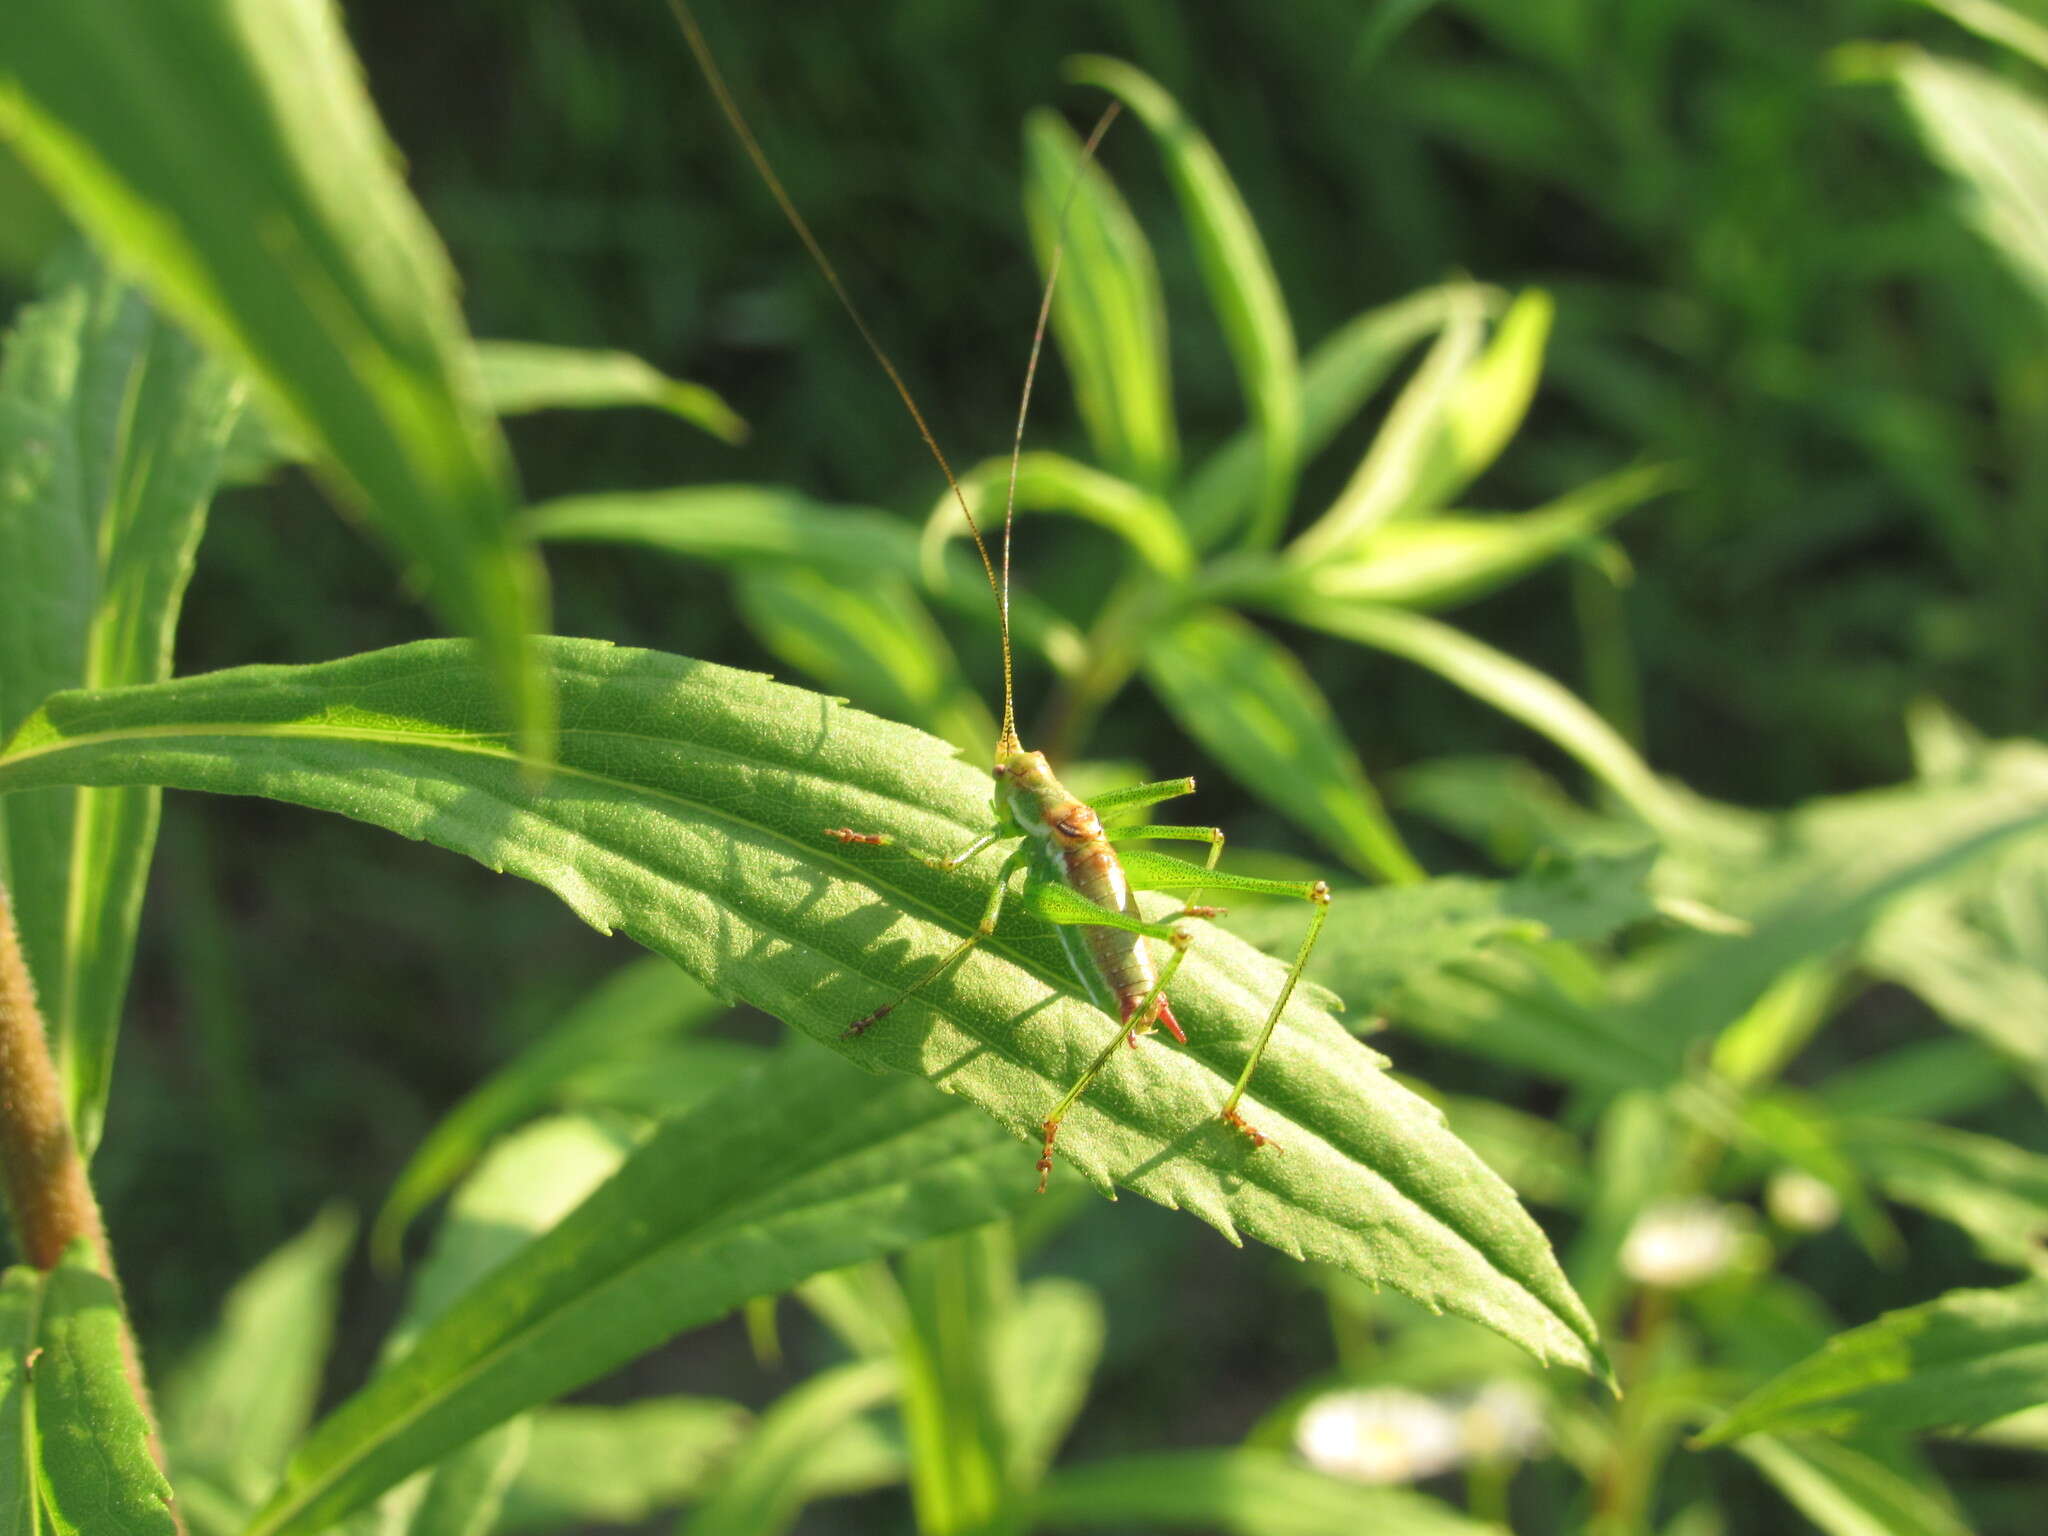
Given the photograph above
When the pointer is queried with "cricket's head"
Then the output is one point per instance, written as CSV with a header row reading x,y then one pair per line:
x,y
1026,789
1018,769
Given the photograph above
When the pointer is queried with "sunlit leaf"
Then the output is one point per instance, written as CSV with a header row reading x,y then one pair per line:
x,y
1239,276
1045,1350
1993,1190
692,809
227,152
1051,482
1849,1492
111,428
523,376
1952,1364
588,1465
761,1489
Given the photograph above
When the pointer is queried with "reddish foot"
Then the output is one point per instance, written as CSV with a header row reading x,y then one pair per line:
x,y
1204,912
848,835
1052,1129
1259,1138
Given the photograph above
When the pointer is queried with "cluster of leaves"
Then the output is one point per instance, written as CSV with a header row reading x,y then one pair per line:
x,y
1662,960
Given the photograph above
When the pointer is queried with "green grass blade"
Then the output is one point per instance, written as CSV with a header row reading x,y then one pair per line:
x,y
691,809
1513,687
1437,562
762,1490
1949,1364
1108,314
1052,482
1245,1492
872,642
1849,1492
637,1006
808,1165
1246,699
1239,275
244,1398
21,1304
1337,379
92,1442
227,151
112,426
524,376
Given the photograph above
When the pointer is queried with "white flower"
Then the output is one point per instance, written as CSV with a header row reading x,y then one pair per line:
x,y
1383,1436
1680,1243
1504,1422
1800,1202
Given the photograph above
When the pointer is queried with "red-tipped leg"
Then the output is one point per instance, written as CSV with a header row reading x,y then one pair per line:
x,y
1203,912
1258,1137
1162,1013
1052,1130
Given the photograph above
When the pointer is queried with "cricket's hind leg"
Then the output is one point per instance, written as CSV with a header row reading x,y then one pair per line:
x,y
1161,872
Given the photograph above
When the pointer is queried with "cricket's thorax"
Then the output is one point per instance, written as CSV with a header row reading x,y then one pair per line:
x,y
1071,834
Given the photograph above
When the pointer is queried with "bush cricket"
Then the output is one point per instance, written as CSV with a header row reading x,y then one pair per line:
x,y
1067,850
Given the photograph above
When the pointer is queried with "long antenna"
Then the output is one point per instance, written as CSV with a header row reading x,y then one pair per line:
x,y
1052,276
694,36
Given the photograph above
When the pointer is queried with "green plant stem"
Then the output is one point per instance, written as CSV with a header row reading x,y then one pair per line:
x,y
49,1196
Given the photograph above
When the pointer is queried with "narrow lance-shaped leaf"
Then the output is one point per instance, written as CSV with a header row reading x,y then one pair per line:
x,y
1051,482
227,151
1337,378
1249,702
112,426
523,376
692,809
806,1165
1950,1364
1849,1492
762,1488
1239,275
1511,686
1108,314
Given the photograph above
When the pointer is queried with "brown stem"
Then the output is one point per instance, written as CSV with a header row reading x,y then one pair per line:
x,y
48,1193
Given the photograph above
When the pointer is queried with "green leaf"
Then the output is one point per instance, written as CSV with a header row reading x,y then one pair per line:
x,y
1338,378
1511,686
94,1462
1239,275
1107,314
1406,453
762,1489
2000,23
955,1289
465,1491
633,1009
1993,137
1436,562
1848,1492
619,1466
1051,482
1949,1364
1993,1190
21,1303
228,152
807,1165
237,1407
748,525
112,427
1046,1347
1376,941
871,640
523,376
1244,1492
1251,705
692,807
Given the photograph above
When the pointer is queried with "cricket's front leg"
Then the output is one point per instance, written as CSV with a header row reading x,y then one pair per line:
x,y
948,864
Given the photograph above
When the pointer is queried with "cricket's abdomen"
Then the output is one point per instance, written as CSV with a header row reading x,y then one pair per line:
x,y
1071,834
